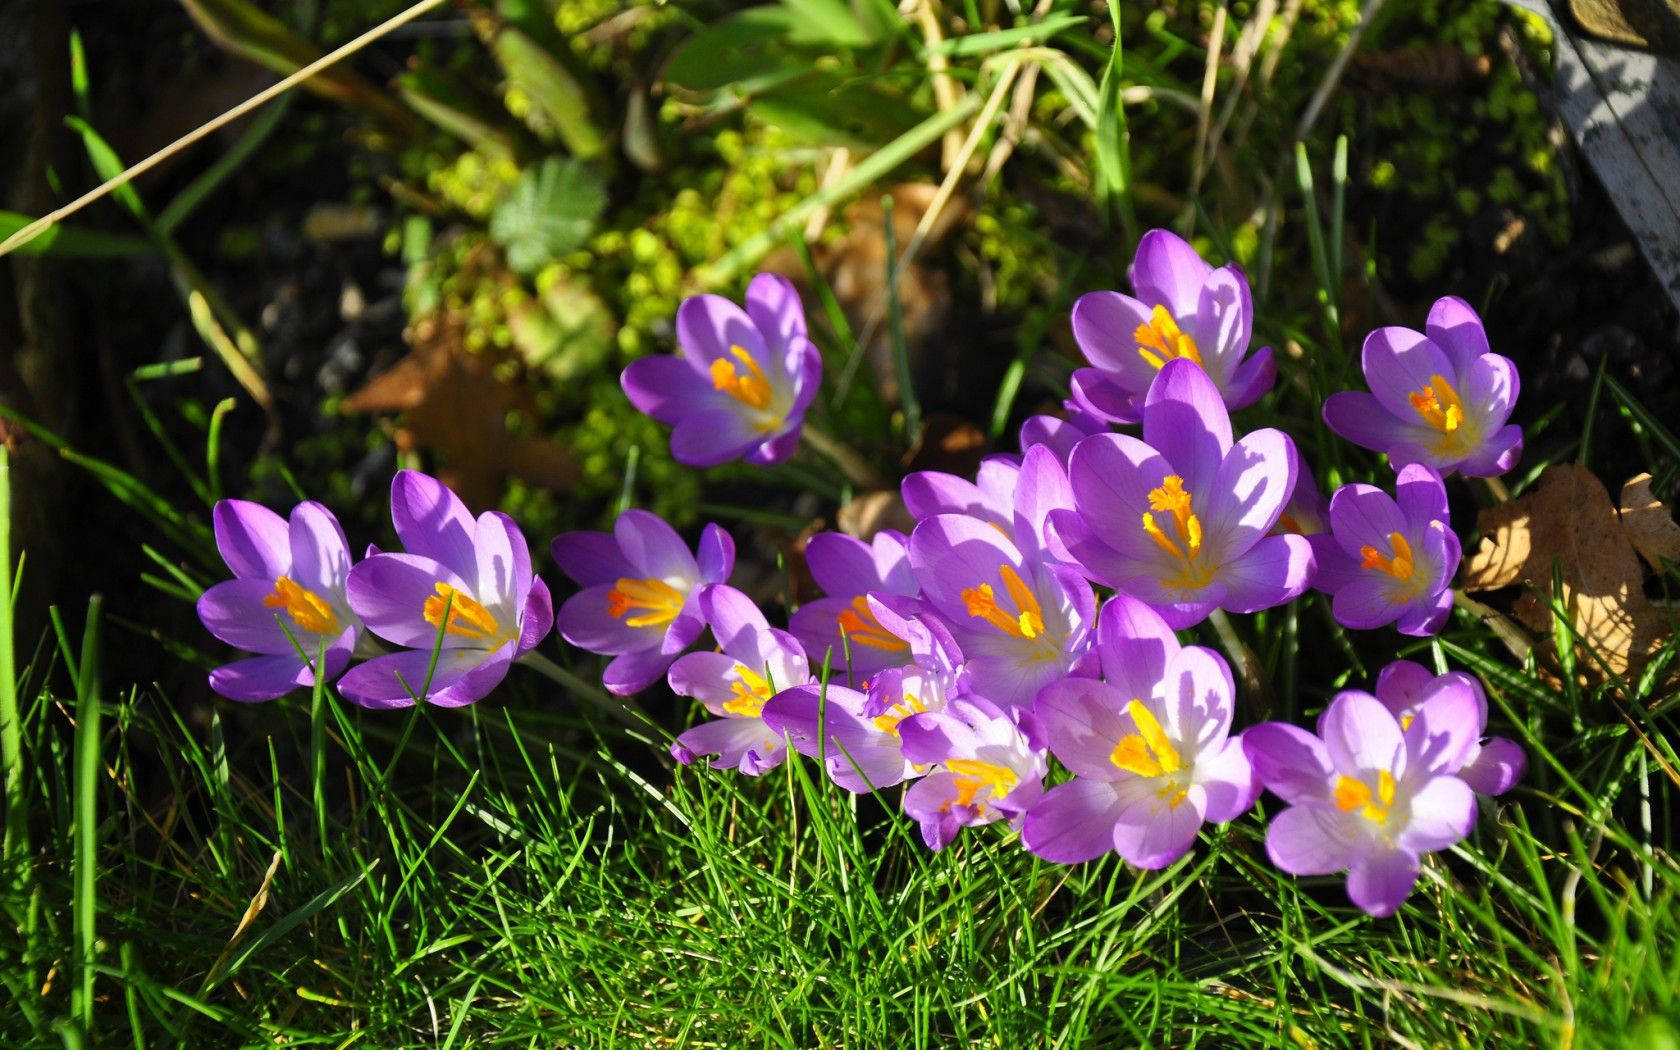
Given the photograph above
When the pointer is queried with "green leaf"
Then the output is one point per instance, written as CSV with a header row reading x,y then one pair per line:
x,y
831,23
71,242
748,49
827,109
550,211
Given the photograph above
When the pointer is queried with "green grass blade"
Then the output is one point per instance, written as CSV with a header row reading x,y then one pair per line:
x,y
88,768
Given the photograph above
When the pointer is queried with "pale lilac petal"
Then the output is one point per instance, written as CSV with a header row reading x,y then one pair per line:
x,y
1497,454
1419,494
707,437
1185,413
1111,476
1041,486
1223,322
1196,697
503,559
267,677
1289,761
1364,516
1361,735
774,307
1455,327
1167,270
1442,812
1152,831
1277,570
1495,767
584,621
734,619
708,326
705,677
537,619
1252,380
777,449
1358,417
233,611
1425,615
397,679
320,555
663,386
390,591
743,744
1094,393
633,671
951,553
1104,326
253,540
1380,881
1490,387
1058,435
1135,644
1444,731
432,522
1313,840
1073,822
1365,602
842,565
930,492
1399,362
1083,722
1228,781
652,546
932,803
1249,490
1402,686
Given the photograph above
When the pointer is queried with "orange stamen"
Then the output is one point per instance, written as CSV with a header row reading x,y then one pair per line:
x,y
981,602
1160,340
661,601
752,389
1172,498
860,627
1400,566
467,618
306,608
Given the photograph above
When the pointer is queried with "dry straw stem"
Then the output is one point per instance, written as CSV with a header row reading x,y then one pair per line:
x,y
268,94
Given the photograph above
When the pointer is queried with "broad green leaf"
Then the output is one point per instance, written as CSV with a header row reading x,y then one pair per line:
x,y
831,23
827,109
749,50
551,211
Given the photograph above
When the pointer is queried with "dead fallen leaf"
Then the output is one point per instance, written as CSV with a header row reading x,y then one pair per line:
x,y
455,402
1568,520
870,512
1649,524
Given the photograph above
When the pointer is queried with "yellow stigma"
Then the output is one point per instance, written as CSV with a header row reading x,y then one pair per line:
x,y
1352,794
860,627
1159,340
910,705
751,691
1185,544
660,601
306,608
751,389
1026,624
1400,566
974,775
467,618
1147,752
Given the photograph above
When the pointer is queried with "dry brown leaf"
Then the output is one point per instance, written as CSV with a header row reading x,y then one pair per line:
x,y
870,512
1568,520
454,402
1649,524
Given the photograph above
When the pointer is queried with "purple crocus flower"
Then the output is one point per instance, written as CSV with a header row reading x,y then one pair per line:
x,y
757,661
1150,748
842,623
1394,557
1184,310
467,582
1060,435
1022,621
1492,765
1366,796
990,767
740,388
989,497
638,602
1439,397
830,722
286,601
1180,518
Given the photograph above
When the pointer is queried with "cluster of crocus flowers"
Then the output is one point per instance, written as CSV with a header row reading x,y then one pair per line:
x,y
962,657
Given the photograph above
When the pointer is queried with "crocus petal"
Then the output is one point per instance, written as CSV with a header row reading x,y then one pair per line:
x,y
742,744
503,559
253,540
1360,734
1196,697
266,677
1184,412
1497,454
1490,387
1419,494
1152,832
1278,569
1083,723
590,558
1354,415
733,617
652,546
1252,380
1249,490
584,621
1399,362
777,449
390,591
1290,762
775,309
1073,822
631,672
1455,327
1041,485
1093,392
709,326
1228,781
1112,476
1365,601
930,492
1167,270
397,679
842,565
931,802
1425,615
1135,645
1402,685
1444,730
538,616
1104,324
320,555
1442,813
1223,322
715,554
662,386
1312,840
707,437
432,522
234,612
1495,768
1380,881
1365,516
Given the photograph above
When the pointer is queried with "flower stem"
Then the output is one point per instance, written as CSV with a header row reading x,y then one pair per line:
x,y
11,734
1497,489
622,708
1247,664
856,469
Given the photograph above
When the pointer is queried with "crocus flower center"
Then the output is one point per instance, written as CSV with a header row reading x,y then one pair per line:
x,y
888,721
1147,752
1355,794
1185,544
751,691
1160,340
974,775
467,618
659,601
1439,406
306,608
1026,624
860,627
751,389
1400,564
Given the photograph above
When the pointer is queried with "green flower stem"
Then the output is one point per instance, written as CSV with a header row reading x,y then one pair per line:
x,y
1246,664
11,735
